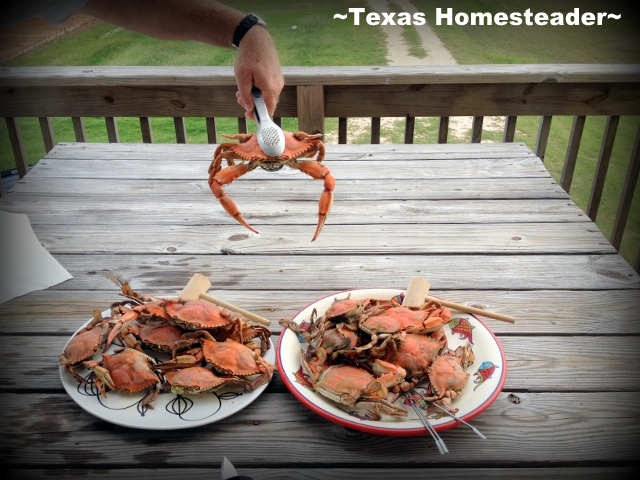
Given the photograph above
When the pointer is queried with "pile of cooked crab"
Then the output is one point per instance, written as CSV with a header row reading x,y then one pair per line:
x,y
210,348
365,353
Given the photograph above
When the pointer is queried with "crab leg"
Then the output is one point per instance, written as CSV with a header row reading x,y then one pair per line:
x,y
225,177
317,171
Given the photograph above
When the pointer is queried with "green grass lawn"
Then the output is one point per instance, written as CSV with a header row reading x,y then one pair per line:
x,y
306,34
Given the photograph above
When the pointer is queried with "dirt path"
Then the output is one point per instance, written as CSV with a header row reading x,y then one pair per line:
x,y
398,54
397,51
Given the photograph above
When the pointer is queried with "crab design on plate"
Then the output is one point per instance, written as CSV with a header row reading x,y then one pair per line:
x,y
297,145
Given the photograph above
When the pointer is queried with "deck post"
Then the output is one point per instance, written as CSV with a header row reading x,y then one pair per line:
x,y
48,136
603,165
17,146
630,181
310,108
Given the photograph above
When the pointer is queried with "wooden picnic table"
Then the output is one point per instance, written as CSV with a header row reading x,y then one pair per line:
x,y
484,223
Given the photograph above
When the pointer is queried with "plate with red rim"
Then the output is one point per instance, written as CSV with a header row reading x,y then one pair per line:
x,y
487,373
170,411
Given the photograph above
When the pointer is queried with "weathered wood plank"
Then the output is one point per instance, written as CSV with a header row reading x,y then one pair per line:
x,y
600,174
283,272
573,473
48,135
572,152
384,100
73,76
534,364
286,190
537,312
428,100
164,169
407,239
310,110
137,151
171,210
288,431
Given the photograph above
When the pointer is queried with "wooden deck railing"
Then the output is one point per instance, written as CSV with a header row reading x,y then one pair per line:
x,y
315,93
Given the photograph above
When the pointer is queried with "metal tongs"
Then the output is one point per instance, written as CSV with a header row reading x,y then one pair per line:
x,y
270,136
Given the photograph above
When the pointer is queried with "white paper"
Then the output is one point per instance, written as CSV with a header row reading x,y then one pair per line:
x,y
25,265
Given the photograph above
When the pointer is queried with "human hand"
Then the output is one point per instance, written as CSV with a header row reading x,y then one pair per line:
x,y
257,64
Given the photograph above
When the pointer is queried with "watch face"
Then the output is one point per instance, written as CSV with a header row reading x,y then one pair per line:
x,y
261,22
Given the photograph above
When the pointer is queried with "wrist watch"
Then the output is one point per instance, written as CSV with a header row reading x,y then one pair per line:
x,y
243,27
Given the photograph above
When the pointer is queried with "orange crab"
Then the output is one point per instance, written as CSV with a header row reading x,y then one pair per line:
x,y
448,375
358,388
194,380
85,344
188,314
297,145
127,371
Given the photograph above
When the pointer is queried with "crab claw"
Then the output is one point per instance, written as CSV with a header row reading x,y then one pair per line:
x,y
317,171
225,177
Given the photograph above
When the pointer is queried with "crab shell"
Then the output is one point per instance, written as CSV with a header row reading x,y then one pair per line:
x,y
397,319
194,380
416,354
250,149
128,371
161,338
233,358
199,314
85,343
346,384
346,310
447,373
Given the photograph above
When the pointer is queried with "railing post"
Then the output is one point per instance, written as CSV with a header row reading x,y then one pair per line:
x,y
48,136
112,129
603,165
543,136
212,134
311,108
78,129
509,129
572,152
375,130
630,181
443,129
409,128
476,129
146,130
17,146
181,129
342,130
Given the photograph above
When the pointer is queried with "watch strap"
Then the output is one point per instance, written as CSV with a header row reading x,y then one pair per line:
x,y
243,27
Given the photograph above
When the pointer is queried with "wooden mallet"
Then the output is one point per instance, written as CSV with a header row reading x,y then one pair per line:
x,y
417,294
197,288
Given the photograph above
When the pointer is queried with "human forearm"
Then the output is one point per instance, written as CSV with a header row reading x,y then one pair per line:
x,y
205,21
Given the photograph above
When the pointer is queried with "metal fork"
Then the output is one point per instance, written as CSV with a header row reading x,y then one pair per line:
x,y
442,448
